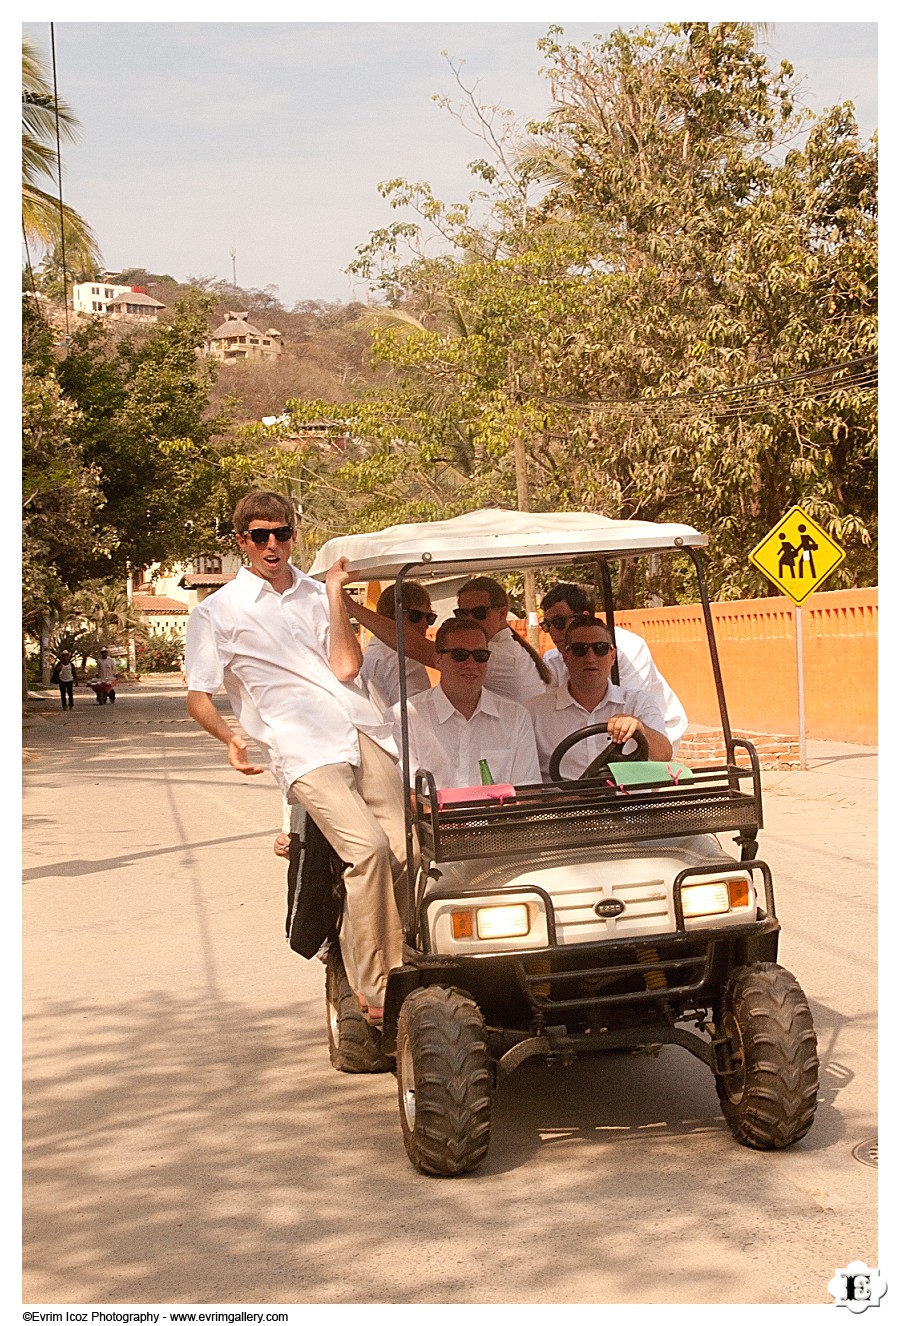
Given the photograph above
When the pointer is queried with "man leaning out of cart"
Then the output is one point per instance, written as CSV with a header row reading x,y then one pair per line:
x,y
588,697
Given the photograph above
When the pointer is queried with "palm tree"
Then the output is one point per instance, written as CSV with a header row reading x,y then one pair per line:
x,y
40,209
104,609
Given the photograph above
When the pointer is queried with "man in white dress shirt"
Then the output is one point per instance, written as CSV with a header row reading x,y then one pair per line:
x,y
515,670
381,665
459,722
637,671
106,673
285,649
588,697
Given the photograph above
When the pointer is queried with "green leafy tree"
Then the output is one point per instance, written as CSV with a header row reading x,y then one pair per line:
x,y
62,499
170,466
666,309
105,611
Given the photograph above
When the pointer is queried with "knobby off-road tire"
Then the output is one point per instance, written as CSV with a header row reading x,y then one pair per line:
x,y
354,1046
443,1081
769,1097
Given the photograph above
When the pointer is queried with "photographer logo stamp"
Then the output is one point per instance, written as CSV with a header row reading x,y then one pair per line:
x,y
857,1287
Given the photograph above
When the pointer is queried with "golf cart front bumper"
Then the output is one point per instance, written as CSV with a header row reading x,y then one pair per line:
x,y
624,990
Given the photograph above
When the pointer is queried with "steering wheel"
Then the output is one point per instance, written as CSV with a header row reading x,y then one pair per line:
x,y
600,765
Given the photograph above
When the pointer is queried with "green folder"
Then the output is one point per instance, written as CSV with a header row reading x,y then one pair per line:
x,y
626,773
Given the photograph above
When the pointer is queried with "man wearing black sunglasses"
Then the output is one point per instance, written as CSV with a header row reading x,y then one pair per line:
x,y
515,670
284,648
459,723
637,670
588,697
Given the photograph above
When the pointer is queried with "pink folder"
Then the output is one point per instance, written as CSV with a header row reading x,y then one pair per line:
x,y
450,796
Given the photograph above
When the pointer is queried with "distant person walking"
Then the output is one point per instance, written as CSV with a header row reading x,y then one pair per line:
x,y
64,677
106,674
807,547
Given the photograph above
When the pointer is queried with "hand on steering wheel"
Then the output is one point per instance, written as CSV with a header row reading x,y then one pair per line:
x,y
599,766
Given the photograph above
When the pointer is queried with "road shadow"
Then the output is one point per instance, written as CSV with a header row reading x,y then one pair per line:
x,y
82,866
821,761
200,1151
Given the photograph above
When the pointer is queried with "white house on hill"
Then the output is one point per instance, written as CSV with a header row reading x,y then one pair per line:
x,y
106,300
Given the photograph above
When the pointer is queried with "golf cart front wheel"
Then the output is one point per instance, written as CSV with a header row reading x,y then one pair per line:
x,y
443,1081
769,1095
353,1045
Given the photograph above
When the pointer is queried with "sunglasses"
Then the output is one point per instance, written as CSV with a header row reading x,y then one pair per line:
x,y
477,614
580,647
558,623
283,533
460,655
416,615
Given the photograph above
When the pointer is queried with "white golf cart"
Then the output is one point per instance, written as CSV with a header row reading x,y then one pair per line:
x,y
575,917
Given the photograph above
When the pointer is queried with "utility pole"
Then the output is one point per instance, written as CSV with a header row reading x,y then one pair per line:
x,y
523,502
233,253
129,591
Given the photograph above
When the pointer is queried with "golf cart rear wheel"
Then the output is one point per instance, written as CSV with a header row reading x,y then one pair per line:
x,y
353,1045
443,1081
769,1096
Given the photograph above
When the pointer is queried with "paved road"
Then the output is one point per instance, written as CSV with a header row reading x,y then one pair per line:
x,y
188,1142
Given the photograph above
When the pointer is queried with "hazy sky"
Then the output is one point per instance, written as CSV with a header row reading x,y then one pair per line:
x,y
271,138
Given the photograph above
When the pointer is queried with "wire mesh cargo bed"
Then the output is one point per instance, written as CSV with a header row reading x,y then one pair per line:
x,y
561,815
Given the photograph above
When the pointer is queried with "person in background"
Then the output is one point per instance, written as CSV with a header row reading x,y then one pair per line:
x,y
380,666
637,671
515,669
460,723
64,677
106,673
588,696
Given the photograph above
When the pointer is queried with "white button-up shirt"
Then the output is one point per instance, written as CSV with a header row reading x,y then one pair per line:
x,y
450,746
556,714
511,671
637,672
381,673
271,652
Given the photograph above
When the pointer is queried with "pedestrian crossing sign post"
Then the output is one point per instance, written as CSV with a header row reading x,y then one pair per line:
x,y
797,554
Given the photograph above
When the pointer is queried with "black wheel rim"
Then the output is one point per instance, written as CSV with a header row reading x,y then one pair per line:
x,y
735,1081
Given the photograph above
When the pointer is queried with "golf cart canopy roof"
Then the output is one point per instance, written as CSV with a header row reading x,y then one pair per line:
x,y
499,540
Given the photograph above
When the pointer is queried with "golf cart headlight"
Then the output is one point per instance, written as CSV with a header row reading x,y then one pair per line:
x,y
502,922
714,897
505,922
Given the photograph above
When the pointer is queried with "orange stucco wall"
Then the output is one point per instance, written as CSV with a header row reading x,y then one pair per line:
x,y
757,650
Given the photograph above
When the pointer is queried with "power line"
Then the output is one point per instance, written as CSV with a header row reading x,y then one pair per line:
x,y
730,402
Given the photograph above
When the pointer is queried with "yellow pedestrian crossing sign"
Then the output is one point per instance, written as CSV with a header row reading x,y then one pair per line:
x,y
797,555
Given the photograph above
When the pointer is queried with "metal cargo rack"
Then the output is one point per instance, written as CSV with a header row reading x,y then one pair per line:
x,y
584,814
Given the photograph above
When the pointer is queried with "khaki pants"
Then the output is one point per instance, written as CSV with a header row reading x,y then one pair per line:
x,y
360,812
